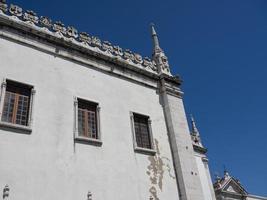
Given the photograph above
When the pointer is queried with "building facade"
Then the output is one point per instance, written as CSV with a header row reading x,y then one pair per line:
x,y
81,118
230,188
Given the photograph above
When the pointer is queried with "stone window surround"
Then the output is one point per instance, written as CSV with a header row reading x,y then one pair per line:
x,y
26,129
137,149
77,138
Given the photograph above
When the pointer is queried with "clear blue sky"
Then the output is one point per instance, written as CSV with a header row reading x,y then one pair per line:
x,y
220,50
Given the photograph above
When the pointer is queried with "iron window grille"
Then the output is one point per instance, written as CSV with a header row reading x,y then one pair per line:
x,y
142,133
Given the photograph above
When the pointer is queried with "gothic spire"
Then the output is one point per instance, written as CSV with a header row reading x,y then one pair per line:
x,y
195,133
155,39
194,127
158,54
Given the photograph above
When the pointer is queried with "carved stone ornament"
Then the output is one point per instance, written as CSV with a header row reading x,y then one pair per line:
x,y
31,16
15,10
117,51
59,27
96,42
72,32
3,6
138,58
85,38
148,63
128,55
106,46
165,63
46,22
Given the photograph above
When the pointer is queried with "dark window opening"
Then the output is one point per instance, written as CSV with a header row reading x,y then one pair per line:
x,y
142,134
87,119
16,103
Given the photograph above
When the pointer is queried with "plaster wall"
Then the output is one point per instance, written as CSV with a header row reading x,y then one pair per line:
x,y
205,179
47,164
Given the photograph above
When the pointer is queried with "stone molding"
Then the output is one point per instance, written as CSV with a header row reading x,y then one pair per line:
x,y
57,29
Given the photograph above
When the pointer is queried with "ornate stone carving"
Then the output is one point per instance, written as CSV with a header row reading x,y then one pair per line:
x,y
117,51
138,58
159,56
85,38
96,42
72,32
31,16
15,10
148,63
165,63
46,22
128,55
106,46
59,27
3,6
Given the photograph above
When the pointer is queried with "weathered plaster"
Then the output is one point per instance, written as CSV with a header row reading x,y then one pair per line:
x,y
157,168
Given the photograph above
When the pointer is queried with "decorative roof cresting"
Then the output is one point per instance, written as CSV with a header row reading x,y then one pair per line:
x,y
83,39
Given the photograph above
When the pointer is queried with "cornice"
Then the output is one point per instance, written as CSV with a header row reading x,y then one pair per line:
x,y
68,36
200,149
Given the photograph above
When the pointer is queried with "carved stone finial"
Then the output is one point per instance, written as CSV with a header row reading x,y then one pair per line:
x,y
15,10
226,173
158,55
6,192
155,39
72,32
89,195
85,38
31,17
195,133
194,127
3,6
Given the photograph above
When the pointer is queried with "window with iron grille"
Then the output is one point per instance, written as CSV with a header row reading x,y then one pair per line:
x,y
142,131
87,119
16,103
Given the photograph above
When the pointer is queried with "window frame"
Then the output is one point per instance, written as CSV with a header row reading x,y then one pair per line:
x,y
26,128
138,149
82,139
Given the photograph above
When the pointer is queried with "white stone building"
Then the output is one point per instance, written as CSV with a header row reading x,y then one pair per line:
x,y
83,119
230,188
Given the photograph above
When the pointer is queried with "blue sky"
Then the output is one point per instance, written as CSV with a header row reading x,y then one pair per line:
x,y
217,47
